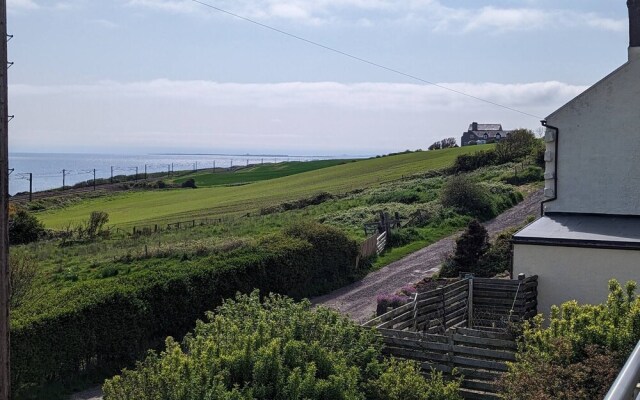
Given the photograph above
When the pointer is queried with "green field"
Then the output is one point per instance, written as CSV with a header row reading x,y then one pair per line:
x,y
164,206
255,173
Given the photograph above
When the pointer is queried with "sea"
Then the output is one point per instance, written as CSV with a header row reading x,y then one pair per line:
x,y
51,170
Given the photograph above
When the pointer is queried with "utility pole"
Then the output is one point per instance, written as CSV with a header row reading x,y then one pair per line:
x,y
94,179
145,171
30,186
111,180
214,166
136,177
64,173
5,375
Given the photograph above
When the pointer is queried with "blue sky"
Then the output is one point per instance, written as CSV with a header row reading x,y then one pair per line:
x,y
142,76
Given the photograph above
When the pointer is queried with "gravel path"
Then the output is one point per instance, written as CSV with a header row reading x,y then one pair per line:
x,y
358,300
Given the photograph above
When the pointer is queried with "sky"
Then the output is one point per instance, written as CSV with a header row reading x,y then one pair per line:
x,y
149,76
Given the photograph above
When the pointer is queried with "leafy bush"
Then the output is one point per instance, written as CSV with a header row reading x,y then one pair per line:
x,y
24,228
467,197
386,301
277,349
95,225
579,354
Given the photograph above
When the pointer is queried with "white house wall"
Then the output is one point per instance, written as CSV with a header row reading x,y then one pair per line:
x,y
599,147
572,273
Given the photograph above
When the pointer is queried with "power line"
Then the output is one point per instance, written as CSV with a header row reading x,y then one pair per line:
x,y
364,60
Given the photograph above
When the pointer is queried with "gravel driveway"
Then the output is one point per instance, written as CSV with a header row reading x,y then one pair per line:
x,y
358,300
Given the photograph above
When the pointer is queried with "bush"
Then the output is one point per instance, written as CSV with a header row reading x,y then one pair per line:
x,y
23,272
467,197
189,183
530,174
402,237
386,301
470,247
95,226
515,146
471,162
579,354
24,228
276,349
497,258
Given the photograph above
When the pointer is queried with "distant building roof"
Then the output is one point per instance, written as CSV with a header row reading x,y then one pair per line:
x,y
485,127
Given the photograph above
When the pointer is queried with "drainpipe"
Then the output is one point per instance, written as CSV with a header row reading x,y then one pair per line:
x,y
555,168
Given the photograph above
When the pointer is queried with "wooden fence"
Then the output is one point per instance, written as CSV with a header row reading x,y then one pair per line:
x,y
373,245
464,325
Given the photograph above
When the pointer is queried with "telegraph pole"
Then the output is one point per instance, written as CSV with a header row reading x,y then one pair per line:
x,y
5,376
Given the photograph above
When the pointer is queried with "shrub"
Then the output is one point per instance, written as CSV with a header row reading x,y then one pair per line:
x,y
498,257
23,272
95,225
467,197
189,183
386,301
24,228
530,174
471,162
276,349
579,354
470,247
402,237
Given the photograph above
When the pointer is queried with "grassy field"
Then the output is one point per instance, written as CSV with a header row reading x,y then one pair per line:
x,y
163,206
258,173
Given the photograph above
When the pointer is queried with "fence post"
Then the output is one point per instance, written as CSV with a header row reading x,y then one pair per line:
x,y
415,312
444,309
470,303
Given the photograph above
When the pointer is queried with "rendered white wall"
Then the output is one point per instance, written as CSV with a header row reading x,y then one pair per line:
x,y
599,147
571,273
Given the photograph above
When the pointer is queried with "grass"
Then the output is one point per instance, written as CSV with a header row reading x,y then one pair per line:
x,y
256,173
163,206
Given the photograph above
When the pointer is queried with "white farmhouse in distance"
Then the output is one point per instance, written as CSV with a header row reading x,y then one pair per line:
x,y
590,228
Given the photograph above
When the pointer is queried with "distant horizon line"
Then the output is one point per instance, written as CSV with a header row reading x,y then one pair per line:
x,y
198,154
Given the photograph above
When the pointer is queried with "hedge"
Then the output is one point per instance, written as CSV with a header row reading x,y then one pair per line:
x,y
98,327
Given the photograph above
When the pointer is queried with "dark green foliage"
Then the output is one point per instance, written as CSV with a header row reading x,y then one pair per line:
x,y
530,174
103,325
467,197
277,350
516,146
497,258
579,354
24,228
470,247
189,183
444,144
402,237
298,204
473,161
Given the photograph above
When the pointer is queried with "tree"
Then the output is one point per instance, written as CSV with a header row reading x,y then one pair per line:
x,y
448,143
515,146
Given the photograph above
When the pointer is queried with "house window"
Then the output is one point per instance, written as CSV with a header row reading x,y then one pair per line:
x,y
486,136
498,136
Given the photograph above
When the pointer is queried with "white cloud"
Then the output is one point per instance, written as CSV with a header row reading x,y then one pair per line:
x,y
297,116
429,12
13,5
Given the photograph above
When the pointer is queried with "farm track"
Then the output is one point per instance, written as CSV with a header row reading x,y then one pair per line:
x,y
358,300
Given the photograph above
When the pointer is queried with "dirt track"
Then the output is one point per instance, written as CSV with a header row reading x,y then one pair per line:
x,y
358,300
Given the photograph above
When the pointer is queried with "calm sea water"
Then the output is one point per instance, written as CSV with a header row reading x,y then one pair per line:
x,y
47,168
